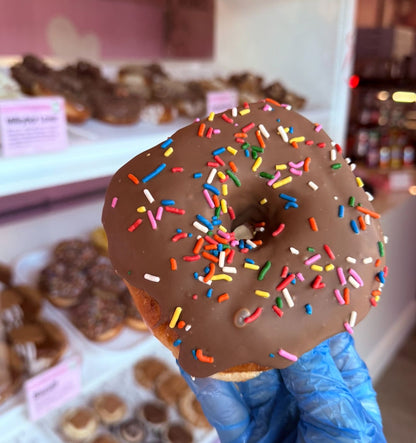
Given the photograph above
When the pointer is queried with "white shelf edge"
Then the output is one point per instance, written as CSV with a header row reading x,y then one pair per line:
x,y
95,150
99,154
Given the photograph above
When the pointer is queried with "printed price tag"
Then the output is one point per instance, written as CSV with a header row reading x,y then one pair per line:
x,y
53,387
32,125
219,101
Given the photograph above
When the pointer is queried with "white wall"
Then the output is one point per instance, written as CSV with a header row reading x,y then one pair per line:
x,y
382,332
307,44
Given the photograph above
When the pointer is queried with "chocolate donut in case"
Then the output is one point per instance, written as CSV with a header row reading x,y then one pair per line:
x,y
63,285
256,244
99,316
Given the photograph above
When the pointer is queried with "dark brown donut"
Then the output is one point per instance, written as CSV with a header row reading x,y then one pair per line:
x,y
102,276
76,253
99,316
36,78
62,284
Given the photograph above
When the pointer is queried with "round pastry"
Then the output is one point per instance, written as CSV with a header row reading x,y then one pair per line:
x,y
134,75
105,438
62,285
147,370
11,372
170,387
192,103
39,343
114,107
101,275
132,318
277,92
35,77
110,408
79,424
99,316
249,86
191,410
257,241
77,109
75,252
158,113
154,412
179,433
133,430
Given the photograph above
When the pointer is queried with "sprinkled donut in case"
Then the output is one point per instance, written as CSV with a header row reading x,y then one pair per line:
x,y
245,240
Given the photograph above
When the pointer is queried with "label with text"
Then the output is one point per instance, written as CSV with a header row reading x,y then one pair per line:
x,y
53,387
220,101
32,125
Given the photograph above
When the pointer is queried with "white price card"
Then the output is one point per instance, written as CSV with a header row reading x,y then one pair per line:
x,y
32,125
53,387
220,101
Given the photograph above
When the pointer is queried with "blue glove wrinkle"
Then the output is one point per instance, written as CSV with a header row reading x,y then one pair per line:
x,y
223,406
326,405
354,372
259,394
325,396
273,409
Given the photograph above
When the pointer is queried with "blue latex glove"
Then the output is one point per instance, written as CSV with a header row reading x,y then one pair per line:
x,y
326,396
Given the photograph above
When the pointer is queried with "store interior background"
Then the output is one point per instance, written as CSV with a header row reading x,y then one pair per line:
x,y
338,54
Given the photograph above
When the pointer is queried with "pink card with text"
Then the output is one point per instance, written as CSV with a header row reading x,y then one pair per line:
x,y
219,101
53,387
32,125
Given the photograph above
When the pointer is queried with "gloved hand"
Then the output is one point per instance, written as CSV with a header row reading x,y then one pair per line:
x,y
326,396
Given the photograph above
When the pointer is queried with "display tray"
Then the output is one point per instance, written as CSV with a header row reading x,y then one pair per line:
x,y
134,396
26,271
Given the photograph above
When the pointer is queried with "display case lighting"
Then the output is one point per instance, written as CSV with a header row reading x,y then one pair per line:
x,y
383,95
404,97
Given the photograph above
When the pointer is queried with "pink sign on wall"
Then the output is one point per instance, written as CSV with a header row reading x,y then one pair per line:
x,y
106,29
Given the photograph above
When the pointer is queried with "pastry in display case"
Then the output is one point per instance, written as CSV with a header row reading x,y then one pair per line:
x,y
146,401
36,341
123,410
77,278
87,93
36,78
11,372
39,343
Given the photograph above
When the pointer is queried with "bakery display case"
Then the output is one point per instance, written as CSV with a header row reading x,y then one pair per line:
x,y
47,198
114,354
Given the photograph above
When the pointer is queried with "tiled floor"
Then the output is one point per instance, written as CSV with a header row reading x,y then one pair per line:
x,y
396,391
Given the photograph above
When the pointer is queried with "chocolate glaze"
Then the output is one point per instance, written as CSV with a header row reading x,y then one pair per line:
x,y
144,250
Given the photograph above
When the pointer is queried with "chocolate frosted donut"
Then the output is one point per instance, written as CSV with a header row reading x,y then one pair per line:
x,y
245,240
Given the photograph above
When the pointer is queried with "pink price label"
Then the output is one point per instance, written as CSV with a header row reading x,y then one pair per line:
x,y
32,125
220,101
53,387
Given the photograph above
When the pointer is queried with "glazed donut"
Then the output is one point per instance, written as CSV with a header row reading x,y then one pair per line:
x,y
245,240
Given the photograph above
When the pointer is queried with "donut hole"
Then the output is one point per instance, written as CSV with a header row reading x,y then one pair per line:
x,y
244,232
250,224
